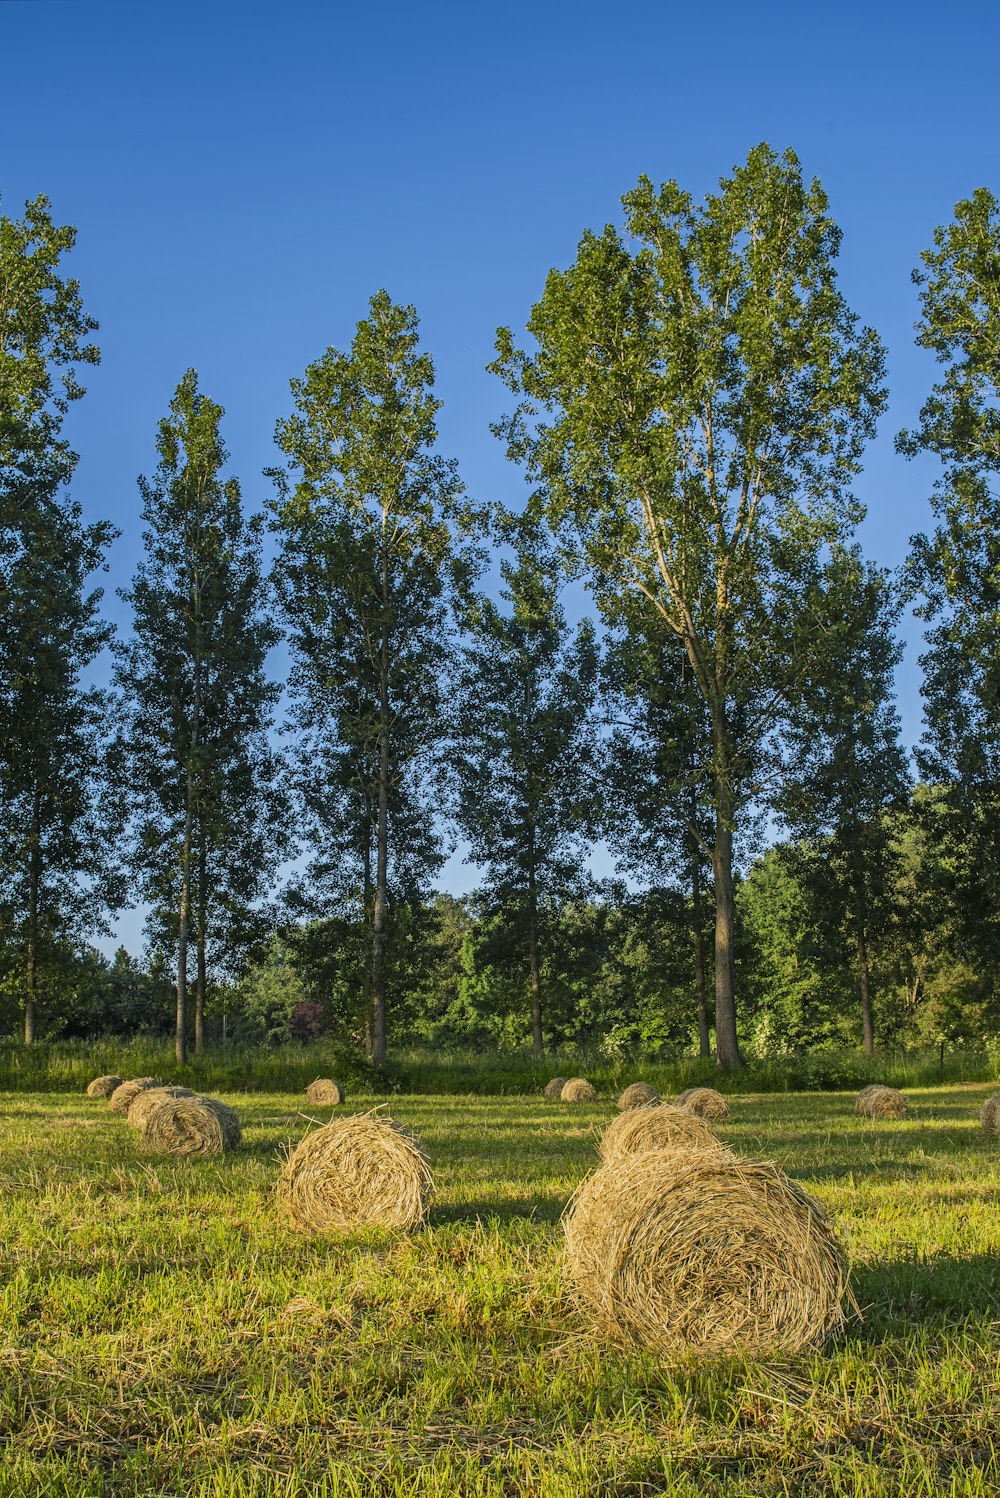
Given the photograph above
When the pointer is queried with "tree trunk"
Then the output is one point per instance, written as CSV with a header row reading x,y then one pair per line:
x,y
704,1033
180,1031
534,968
199,987
726,1044
864,985
381,831
31,963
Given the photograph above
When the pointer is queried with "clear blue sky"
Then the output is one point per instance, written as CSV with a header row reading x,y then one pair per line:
x,y
244,177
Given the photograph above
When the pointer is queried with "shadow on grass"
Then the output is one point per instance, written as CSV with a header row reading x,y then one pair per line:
x,y
938,1293
545,1206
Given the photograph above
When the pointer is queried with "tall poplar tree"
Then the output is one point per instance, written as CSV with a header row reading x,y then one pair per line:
x,y
956,568
367,556
55,850
846,771
527,791
694,410
194,755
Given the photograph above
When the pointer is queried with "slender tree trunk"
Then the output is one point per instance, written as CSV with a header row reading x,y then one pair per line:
x,y
534,967
184,915
199,987
381,830
864,984
704,1033
31,964
726,1044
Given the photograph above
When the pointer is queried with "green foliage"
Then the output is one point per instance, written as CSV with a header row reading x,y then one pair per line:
x,y
693,415
957,568
208,817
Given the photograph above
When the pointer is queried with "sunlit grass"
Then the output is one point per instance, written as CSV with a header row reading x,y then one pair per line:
x,y
164,1333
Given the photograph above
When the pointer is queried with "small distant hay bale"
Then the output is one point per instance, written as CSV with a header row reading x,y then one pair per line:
x,y
876,1101
191,1126
103,1086
656,1127
121,1099
553,1089
702,1252
144,1102
990,1115
358,1172
578,1090
639,1095
705,1102
324,1091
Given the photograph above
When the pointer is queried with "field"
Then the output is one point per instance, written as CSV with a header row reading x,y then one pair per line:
x,y
163,1333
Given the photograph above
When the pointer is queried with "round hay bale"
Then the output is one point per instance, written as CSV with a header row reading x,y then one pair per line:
x,y
990,1115
121,1099
876,1101
103,1086
553,1089
578,1090
639,1095
705,1102
144,1102
326,1092
364,1171
705,1253
191,1126
656,1127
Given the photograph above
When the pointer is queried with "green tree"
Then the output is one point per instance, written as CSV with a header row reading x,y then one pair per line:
x,y
527,794
845,767
55,847
693,414
956,569
194,754
367,538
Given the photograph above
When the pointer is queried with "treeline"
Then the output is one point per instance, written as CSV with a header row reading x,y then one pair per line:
x,y
690,411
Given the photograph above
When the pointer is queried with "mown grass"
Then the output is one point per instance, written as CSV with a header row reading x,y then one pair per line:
x,y
161,1331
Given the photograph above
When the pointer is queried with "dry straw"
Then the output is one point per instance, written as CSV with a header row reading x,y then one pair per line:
x,y
639,1095
990,1116
578,1090
121,1098
192,1126
144,1102
702,1252
705,1102
364,1171
326,1092
553,1089
103,1086
656,1127
876,1101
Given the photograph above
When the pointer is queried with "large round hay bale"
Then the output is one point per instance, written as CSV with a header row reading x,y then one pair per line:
x,y
553,1089
144,1102
121,1099
364,1171
326,1092
639,1095
703,1252
990,1115
578,1090
103,1086
876,1101
705,1102
655,1127
192,1126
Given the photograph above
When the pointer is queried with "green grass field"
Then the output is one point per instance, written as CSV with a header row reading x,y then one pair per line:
x,y
163,1333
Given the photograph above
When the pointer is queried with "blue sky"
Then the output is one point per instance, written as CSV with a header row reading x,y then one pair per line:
x,y
244,177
